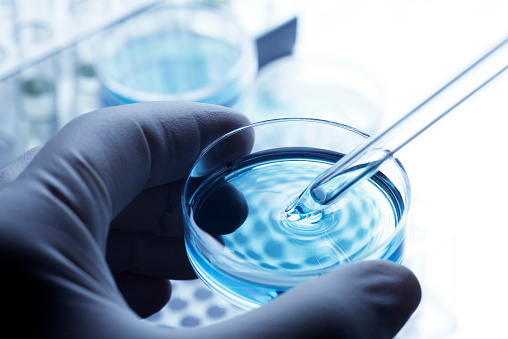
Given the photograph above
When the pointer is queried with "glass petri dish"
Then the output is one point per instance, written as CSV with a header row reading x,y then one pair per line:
x,y
187,53
323,88
237,237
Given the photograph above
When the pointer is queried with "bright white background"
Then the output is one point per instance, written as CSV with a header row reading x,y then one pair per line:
x,y
458,168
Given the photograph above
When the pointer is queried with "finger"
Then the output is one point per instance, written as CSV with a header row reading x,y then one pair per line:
x,y
145,295
147,236
117,152
223,211
365,300
225,150
157,210
148,254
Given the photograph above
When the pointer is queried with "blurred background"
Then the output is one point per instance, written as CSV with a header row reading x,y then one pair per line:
x,y
362,63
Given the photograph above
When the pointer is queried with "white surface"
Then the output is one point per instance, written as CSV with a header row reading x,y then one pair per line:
x,y
458,167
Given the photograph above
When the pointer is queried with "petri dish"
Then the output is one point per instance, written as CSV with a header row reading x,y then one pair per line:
x,y
324,88
237,237
186,53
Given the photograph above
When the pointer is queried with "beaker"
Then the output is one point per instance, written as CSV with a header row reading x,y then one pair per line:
x,y
185,53
236,233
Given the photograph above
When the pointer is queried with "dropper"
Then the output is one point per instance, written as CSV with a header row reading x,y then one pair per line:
x,y
366,159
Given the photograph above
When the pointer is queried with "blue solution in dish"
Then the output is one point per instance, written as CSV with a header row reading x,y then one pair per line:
x,y
172,66
275,254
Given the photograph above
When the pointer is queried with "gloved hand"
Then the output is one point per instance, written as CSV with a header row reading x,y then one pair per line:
x,y
91,231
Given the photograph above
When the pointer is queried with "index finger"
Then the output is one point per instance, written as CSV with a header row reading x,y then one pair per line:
x,y
103,159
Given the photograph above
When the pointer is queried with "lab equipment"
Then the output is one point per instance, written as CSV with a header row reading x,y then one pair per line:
x,y
49,59
237,237
37,45
85,15
189,53
333,184
332,89
6,17
38,119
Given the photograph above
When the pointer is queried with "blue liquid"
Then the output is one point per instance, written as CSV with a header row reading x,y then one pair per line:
x,y
278,253
177,64
319,197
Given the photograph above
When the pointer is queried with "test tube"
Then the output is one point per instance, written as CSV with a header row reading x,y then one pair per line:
x,y
86,14
6,17
363,162
9,145
37,89
8,112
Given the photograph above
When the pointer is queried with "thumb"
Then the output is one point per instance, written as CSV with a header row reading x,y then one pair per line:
x,y
372,299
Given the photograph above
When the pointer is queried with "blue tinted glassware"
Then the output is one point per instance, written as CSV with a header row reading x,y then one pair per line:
x,y
187,53
237,236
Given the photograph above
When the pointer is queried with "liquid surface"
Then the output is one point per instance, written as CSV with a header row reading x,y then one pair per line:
x,y
275,249
327,190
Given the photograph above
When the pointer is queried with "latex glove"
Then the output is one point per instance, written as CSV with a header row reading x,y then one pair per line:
x,y
111,180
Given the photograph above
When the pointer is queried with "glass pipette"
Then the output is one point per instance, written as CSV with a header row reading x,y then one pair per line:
x,y
365,160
